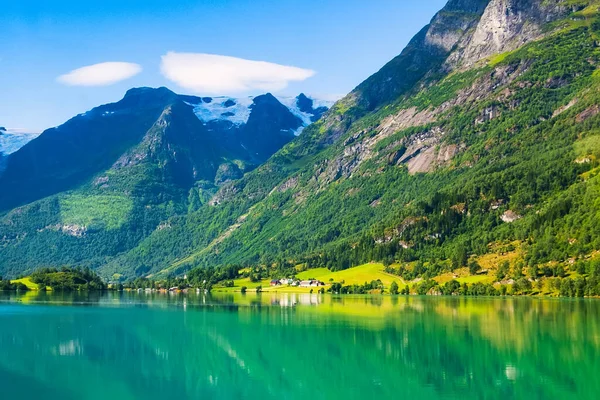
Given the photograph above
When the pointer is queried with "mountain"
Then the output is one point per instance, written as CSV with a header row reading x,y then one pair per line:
x,y
250,130
257,125
114,173
478,138
479,141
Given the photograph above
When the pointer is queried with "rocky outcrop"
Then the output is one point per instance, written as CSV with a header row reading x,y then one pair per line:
x,y
504,26
226,192
461,34
424,55
74,230
291,183
448,27
510,216
227,172
587,113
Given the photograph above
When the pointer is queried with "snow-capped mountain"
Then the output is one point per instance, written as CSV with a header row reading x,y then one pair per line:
x,y
191,138
11,141
237,111
211,110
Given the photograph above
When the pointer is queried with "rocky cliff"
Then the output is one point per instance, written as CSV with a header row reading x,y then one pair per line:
x,y
506,25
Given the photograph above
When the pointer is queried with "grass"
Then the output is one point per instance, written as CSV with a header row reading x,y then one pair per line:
x,y
353,276
498,58
110,211
29,283
266,287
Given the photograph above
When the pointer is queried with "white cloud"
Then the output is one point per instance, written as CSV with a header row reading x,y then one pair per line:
x,y
102,74
215,74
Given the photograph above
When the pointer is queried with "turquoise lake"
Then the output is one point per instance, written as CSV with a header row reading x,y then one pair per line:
x,y
137,346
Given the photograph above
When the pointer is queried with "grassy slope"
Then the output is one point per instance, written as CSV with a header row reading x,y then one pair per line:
x,y
357,275
29,283
353,276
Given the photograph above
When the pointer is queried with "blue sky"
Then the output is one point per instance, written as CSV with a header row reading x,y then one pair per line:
x,y
332,46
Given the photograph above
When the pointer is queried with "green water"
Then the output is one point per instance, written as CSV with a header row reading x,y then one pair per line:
x,y
120,346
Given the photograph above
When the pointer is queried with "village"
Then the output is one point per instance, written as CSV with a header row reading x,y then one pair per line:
x,y
297,283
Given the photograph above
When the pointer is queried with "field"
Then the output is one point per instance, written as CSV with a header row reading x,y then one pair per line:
x,y
353,276
357,275
27,282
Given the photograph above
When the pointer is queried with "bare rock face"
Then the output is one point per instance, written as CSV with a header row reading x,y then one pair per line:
x,y
510,216
424,55
504,26
227,191
74,230
448,26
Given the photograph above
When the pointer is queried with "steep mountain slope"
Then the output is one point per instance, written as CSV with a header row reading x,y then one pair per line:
x,y
95,186
483,131
64,157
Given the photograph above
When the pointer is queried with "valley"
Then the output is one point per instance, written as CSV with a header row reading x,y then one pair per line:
x,y
481,134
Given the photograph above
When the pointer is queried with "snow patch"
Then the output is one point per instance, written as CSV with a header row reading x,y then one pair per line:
x,y
217,109
238,110
11,140
292,104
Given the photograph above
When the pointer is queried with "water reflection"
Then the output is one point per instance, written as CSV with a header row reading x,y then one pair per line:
x,y
298,345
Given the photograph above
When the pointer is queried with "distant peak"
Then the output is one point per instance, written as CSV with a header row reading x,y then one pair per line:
x,y
304,103
266,99
472,6
146,96
148,91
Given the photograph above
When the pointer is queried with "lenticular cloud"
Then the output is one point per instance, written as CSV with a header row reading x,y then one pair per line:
x,y
216,74
102,74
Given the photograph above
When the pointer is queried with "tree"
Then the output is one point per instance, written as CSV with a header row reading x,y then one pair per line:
x,y
522,285
394,288
503,270
336,288
474,267
243,290
459,256
451,288
533,271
